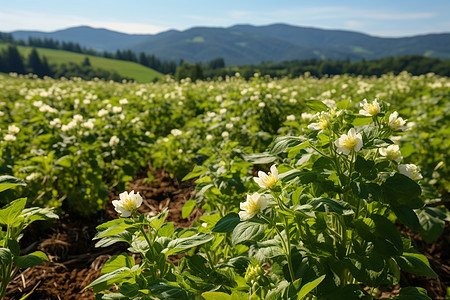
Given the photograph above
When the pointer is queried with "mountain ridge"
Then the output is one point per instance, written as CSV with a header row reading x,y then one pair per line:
x,y
246,43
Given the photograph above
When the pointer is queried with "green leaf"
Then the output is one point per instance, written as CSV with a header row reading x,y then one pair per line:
x,y
412,293
117,262
304,176
33,214
388,235
282,143
187,208
260,158
157,221
197,264
248,231
360,121
196,172
125,236
14,246
129,290
9,215
216,296
415,265
366,168
32,259
431,226
65,161
367,269
227,223
328,205
106,280
166,230
169,292
316,105
181,244
239,263
309,286
5,256
114,227
407,216
402,190
7,182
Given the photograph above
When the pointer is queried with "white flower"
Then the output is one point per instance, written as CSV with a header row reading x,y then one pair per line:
x,y
223,111
102,112
210,114
176,132
114,140
410,170
13,129
290,118
252,206
128,203
55,122
32,176
88,125
392,152
225,134
209,137
38,103
72,125
396,123
370,109
349,142
324,121
261,104
123,101
267,180
307,117
9,138
229,126
78,118
117,109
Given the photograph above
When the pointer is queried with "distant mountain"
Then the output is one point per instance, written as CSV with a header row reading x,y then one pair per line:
x,y
93,38
244,44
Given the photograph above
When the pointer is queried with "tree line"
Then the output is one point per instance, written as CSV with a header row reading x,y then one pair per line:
x,y
12,61
414,64
148,60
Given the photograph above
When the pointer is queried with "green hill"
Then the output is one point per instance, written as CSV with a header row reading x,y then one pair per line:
x,y
128,69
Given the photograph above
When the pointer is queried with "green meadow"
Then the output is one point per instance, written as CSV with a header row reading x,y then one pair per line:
x,y
129,69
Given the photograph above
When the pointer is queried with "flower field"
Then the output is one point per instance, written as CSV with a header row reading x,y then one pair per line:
x,y
299,188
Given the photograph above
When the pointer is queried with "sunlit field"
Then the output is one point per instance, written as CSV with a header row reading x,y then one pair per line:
x,y
302,183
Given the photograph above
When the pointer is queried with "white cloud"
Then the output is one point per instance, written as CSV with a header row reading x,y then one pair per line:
x,y
25,20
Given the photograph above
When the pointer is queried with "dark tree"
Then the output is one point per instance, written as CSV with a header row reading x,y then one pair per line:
x,y
35,63
86,62
14,60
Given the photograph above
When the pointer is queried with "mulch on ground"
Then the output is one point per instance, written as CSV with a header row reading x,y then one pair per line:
x,y
74,260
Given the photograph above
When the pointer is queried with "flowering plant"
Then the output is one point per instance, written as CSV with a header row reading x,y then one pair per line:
x,y
327,229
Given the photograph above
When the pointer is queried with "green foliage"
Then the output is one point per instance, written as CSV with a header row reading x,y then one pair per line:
x,y
14,218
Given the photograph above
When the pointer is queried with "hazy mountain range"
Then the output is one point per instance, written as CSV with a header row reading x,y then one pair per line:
x,y
245,44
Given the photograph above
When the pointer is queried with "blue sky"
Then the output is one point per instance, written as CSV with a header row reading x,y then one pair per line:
x,y
380,18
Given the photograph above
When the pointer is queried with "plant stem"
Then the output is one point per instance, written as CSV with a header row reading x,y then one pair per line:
x,y
150,244
288,250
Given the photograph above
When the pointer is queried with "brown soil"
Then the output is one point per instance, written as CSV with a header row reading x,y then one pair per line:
x,y
75,262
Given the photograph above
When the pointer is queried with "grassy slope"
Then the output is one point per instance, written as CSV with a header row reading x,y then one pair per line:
x,y
125,68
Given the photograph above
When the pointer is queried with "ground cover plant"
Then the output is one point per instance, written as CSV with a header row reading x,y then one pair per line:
x,y
321,224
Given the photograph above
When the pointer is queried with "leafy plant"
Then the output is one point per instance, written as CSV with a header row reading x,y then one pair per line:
x,y
14,218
